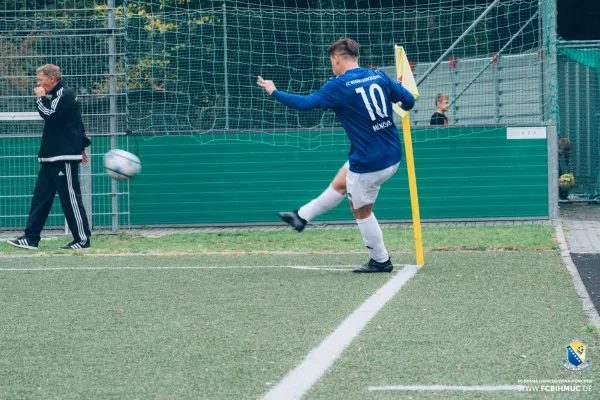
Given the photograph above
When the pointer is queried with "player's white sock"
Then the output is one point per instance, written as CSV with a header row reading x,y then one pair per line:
x,y
325,202
373,238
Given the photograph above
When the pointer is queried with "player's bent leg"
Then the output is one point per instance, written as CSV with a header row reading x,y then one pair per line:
x,y
327,200
330,198
339,181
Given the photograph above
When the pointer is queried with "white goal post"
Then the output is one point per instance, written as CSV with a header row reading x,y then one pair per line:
x,y
20,116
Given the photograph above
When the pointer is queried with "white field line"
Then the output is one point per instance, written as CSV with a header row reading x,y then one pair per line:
x,y
298,381
119,268
84,253
588,305
425,388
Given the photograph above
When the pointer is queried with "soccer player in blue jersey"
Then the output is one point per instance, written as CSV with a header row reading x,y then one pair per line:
x,y
362,100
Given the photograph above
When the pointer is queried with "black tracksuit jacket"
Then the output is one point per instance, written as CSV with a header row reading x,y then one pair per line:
x,y
64,135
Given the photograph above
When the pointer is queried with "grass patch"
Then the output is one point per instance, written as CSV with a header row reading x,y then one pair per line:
x,y
162,334
470,319
593,329
501,238
467,318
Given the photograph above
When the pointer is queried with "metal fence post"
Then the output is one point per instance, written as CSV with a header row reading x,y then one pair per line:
x,y
112,64
552,136
225,71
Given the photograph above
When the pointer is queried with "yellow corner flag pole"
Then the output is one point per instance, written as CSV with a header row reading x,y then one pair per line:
x,y
405,76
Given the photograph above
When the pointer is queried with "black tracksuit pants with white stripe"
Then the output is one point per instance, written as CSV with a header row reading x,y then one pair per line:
x,y
62,177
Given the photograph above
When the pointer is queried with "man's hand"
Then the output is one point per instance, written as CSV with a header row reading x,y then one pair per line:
x,y
39,91
84,157
269,86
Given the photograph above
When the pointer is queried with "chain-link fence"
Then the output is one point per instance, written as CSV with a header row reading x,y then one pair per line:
x,y
579,79
155,68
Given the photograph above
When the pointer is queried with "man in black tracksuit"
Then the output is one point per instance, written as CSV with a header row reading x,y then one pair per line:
x,y
62,149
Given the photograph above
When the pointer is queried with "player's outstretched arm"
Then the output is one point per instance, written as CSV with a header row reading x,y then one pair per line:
x,y
269,86
302,103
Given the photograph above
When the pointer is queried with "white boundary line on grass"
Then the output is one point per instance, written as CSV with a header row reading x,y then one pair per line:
x,y
107,268
424,388
588,305
83,253
298,381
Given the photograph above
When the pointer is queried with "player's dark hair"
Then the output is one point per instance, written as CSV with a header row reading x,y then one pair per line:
x,y
344,48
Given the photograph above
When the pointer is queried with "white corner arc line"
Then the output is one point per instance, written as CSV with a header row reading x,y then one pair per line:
x,y
298,381
425,388
588,305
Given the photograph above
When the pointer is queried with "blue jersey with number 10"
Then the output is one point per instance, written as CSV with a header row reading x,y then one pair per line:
x,y
362,99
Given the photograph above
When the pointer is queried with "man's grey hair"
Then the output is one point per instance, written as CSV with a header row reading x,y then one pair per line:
x,y
50,70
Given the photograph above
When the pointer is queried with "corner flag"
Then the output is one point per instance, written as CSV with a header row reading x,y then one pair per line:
x,y
405,76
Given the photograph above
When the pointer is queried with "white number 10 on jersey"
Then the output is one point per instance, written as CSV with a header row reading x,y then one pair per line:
x,y
372,89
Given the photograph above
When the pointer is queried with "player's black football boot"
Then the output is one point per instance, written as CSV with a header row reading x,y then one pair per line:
x,y
374,266
293,220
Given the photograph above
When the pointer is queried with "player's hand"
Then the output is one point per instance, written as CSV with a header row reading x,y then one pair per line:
x,y
269,86
39,91
84,157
